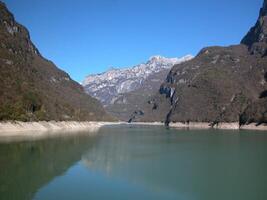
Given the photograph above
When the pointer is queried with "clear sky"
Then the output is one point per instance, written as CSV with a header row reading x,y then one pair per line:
x,y
89,36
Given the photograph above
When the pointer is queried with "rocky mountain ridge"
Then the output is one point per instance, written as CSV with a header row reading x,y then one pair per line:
x,y
256,38
107,86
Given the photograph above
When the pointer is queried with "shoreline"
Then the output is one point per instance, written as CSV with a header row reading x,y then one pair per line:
x,y
43,128
223,126
51,128
206,125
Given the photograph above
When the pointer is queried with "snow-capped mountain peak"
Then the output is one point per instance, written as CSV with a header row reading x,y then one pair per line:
x,y
107,85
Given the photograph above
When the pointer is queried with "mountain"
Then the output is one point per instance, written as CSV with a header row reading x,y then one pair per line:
x,y
32,87
221,84
106,86
122,91
256,40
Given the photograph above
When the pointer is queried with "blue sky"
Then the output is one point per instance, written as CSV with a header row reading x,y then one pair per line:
x,y
89,36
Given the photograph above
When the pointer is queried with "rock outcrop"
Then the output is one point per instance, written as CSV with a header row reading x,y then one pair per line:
x,y
256,39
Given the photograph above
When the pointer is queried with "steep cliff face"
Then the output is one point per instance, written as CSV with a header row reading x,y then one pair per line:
x,y
33,88
221,84
257,111
226,81
256,39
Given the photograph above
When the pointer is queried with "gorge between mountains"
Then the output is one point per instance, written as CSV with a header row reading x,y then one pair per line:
x,y
218,85
187,127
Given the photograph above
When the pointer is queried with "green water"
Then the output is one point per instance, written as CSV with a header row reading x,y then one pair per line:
x,y
125,162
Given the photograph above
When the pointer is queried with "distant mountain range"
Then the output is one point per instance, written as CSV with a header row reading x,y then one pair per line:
x,y
221,84
33,88
122,90
108,85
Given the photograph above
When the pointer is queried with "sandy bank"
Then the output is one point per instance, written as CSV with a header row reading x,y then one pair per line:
x,y
226,126
42,128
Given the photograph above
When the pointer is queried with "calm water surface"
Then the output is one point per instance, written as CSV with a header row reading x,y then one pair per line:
x,y
123,162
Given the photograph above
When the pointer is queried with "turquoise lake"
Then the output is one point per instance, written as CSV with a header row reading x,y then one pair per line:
x,y
137,162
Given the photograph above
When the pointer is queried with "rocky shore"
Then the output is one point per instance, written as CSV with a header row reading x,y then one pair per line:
x,y
226,126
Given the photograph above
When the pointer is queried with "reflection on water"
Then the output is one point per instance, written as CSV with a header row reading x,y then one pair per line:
x,y
27,166
123,162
